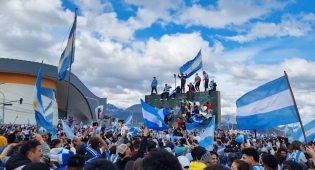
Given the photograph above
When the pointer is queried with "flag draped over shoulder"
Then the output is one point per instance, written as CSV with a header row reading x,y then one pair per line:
x,y
267,106
67,56
38,105
153,119
192,66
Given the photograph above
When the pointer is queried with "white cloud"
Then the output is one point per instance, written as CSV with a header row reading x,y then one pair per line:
x,y
227,12
114,64
290,25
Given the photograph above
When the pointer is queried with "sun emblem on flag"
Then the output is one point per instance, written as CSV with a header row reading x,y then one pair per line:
x,y
35,103
191,68
308,132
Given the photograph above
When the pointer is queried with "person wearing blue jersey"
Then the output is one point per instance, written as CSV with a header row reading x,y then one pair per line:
x,y
154,85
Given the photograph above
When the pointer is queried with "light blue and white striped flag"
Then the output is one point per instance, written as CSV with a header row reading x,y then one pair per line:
x,y
309,132
67,130
67,56
267,106
38,105
128,120
152,118
207,138
192,66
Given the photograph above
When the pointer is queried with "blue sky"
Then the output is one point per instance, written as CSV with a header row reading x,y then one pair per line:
x,y
121,44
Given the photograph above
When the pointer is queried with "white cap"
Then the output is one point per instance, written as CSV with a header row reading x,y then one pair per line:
x,y
184,161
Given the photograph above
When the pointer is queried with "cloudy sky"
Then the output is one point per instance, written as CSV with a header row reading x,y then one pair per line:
x,y
122,44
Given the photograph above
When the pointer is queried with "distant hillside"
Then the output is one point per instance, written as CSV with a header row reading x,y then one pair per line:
x,y
123,114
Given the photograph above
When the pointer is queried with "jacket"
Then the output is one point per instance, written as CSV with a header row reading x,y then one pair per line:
x,y
121,163
197,166
17,160
167,89
154,83
182,78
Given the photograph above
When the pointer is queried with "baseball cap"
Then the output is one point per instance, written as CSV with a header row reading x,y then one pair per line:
x,y
179,150
122,148
183,160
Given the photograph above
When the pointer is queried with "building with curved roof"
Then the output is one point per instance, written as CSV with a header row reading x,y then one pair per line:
x,y
17,80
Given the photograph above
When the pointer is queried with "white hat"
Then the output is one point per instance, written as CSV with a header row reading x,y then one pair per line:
x,y
184,161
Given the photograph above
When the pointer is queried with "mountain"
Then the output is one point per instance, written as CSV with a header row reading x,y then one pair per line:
x,y
122,114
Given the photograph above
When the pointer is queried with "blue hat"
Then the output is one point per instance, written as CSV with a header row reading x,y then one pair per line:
x,y
179,150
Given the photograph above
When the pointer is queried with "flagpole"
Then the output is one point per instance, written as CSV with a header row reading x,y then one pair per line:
x,y
68,93
296,108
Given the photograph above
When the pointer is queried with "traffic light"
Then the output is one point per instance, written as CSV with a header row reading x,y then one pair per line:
x,y
21,100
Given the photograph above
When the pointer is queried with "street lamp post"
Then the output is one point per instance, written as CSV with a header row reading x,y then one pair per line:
x,y
3,107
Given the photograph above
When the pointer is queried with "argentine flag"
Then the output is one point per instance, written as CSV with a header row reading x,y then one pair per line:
x,y
192,66
67,130
38,105
152,118
207,138
309,129
67,56
128,120
267,106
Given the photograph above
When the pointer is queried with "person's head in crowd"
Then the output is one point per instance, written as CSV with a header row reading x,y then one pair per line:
x,y
113,150
160,159
136,145
280,158
11,138
179,151
170,145
283,151
151,145
3,141
36,166
184,161
218,143
161,144
232,157
291,165
216,167
296,145
194,152
93,143
251,156
269,162
213,159
138,164
123,151
129,165
32,150
203,155
76,162
55,143
240,165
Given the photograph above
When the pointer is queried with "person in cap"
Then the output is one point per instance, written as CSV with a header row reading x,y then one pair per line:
x,y
124,151
154,84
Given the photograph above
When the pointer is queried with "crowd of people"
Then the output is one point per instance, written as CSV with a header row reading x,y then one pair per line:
x,y
123,148
192,87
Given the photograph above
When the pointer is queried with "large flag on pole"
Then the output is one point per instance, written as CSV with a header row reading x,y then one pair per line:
x,y
67,56
192,66
38,105
152,117
267,106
